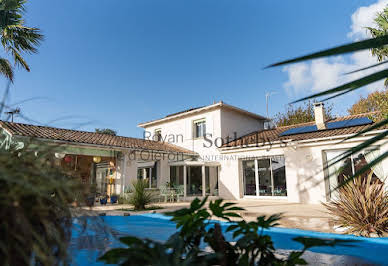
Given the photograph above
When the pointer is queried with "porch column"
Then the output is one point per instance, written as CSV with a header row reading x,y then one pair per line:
x,y
184,181
203,181
123,172
149,178
257,178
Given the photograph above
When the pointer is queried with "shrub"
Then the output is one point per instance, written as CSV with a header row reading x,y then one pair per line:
x,y
140,196
250,246
361,207
35,208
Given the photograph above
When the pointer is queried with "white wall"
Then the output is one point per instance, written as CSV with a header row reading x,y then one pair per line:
x,y
233,122
305,175
129,164
180,132
220,123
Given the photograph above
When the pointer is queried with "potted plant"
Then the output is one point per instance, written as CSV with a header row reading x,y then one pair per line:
x,y
103,200
114,198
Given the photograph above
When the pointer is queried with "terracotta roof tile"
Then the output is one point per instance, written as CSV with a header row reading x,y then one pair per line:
x,y
272,135
84,137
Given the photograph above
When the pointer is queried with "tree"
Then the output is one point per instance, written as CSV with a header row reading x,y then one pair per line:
x,y
106,131
381,21
374,102
15,37
301,114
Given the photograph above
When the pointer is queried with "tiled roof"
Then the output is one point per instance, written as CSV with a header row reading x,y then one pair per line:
x,y
272,135
84,137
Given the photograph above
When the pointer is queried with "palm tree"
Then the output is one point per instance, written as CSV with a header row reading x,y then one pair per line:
x,y
381,29
15,37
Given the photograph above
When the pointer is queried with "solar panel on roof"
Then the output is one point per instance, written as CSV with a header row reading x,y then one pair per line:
x,y
330,125
299,130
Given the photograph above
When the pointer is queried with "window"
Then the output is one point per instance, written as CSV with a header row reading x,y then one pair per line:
x,y
158,135
149,174
265,177
338,172
176,176
199,129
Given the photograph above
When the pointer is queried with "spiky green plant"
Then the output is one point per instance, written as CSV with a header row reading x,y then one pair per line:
x,y
16,38
361,207
35,208
140,196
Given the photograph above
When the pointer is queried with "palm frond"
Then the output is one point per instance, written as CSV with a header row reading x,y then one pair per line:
x,y
342,49
6,69
368,67
19,59
350,86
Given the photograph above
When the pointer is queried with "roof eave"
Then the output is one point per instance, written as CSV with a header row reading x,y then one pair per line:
x,y
216,105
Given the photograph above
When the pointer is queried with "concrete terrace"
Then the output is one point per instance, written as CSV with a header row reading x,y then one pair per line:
x,y
295,215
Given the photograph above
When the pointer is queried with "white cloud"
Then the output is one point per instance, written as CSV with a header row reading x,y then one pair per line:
x,y
326,73
364,17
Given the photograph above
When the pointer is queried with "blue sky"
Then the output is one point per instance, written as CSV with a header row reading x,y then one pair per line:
x,y
116,63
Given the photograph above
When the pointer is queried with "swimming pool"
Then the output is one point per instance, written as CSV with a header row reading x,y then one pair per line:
x,y
87,245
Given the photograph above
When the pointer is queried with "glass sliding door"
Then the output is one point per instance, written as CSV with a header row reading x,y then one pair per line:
x,y
249,178
176,176
194,181
265,177
211,180
338,172
279,176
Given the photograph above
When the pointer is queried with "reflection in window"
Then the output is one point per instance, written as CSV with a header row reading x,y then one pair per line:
x,y
211,180
279,176
194,181
149,174
265,180
199,129
249,178
158,135
338,172
176,176
271,177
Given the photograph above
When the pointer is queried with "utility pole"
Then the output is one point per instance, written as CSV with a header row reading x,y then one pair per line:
x,y
13,112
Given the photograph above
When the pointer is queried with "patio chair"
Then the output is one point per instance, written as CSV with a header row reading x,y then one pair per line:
x,y
166,193
179,192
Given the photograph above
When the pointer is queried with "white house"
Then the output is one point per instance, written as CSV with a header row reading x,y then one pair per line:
x,y
217,150
248,161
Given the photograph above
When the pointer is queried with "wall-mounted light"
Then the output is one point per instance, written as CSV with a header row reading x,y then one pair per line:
x,y
96,159
59,155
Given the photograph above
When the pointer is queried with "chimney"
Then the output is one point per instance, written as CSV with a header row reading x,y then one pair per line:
x,y
319,112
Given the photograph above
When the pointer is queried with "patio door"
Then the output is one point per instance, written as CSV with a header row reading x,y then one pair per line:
x,y
249,178
264,177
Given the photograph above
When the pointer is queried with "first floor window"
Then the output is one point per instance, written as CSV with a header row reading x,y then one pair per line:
x,y
265,177
149,174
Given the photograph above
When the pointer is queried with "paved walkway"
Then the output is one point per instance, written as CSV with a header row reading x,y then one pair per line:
x,y
295,215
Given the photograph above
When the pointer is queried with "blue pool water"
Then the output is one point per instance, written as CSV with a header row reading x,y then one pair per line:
x,y
102,233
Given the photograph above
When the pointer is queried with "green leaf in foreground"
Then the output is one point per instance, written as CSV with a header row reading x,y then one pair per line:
x,y
342,49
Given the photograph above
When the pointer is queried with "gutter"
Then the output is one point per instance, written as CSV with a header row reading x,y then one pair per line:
x,y
305,143
103,147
